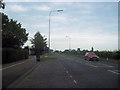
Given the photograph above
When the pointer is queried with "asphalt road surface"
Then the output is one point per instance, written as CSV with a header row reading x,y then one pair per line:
x,y
69,72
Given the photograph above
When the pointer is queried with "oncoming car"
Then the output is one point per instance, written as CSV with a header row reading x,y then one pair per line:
x,y
91,56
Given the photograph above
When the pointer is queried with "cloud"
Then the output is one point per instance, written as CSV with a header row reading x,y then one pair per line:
x,y
20,8
40,26
16,8
86,12
85,40
61,0
42,8
59,18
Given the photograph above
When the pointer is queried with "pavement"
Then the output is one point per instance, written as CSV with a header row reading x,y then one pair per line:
x,y
12,71
69,72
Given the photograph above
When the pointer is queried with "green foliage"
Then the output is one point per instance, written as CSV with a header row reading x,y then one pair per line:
x,y
102,54
13,35
2,5
12,55
39,43
108,54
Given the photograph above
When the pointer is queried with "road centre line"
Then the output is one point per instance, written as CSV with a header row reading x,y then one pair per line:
x,y
12,66
70,76
66,71
90,65
75,81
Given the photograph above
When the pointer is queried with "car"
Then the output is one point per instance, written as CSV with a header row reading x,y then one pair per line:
x,y
91,56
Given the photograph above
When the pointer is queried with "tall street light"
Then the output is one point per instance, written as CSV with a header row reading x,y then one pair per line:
x,y
49,25
69,42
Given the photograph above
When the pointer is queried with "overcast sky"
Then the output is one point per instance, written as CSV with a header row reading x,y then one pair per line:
x,y
88,24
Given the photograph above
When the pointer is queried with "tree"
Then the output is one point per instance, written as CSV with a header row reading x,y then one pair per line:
x,y
13,35
92,49
2,5
39,42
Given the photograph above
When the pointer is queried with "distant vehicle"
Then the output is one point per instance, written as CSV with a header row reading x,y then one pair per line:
x,y
91,56
56,51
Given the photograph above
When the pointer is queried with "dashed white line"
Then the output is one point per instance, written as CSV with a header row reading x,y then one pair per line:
x,y
66,71
75,81
70,76
90,65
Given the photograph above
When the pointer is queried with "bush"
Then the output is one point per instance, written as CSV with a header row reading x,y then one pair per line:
x,y
102,54
11,55
108,54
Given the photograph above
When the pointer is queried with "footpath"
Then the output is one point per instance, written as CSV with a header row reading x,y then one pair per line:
x,y
12,71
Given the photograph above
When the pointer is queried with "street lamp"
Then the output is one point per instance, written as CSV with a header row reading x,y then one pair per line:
x,y
69,42
49,24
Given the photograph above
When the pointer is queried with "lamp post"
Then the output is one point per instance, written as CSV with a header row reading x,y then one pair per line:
x,y
69,42
49,25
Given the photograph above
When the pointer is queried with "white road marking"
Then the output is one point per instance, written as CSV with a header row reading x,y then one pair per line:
x,y
66,71
113,71
64,68
75,81
90,65
105,65
99,65
12,66
70,76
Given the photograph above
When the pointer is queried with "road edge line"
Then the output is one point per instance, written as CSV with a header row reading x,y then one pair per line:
x,y
17,82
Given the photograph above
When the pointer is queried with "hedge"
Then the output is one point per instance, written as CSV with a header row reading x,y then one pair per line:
x,y
12,55
102,54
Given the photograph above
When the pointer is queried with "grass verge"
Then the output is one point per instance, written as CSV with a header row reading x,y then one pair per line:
x,y
46,58
110,60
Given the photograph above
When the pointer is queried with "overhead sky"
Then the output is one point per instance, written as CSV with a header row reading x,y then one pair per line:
x,y
87,24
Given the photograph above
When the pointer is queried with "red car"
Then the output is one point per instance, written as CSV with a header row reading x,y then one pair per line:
x,y
91,56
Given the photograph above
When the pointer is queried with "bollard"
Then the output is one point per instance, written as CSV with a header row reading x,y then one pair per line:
x,y
37,57
107,59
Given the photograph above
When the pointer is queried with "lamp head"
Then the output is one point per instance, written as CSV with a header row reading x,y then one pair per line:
x,y
59,10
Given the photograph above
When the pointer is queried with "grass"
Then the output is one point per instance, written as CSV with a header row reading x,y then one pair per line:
x,y
46,58
74,55
110,60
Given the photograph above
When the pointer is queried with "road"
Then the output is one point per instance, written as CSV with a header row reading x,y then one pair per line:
x,y
69,72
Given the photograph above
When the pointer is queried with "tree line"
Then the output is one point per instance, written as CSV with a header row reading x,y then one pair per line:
x,y
13,39
13,35
102,54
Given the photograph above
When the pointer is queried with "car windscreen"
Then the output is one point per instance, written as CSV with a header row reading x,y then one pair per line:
x,y
92,54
